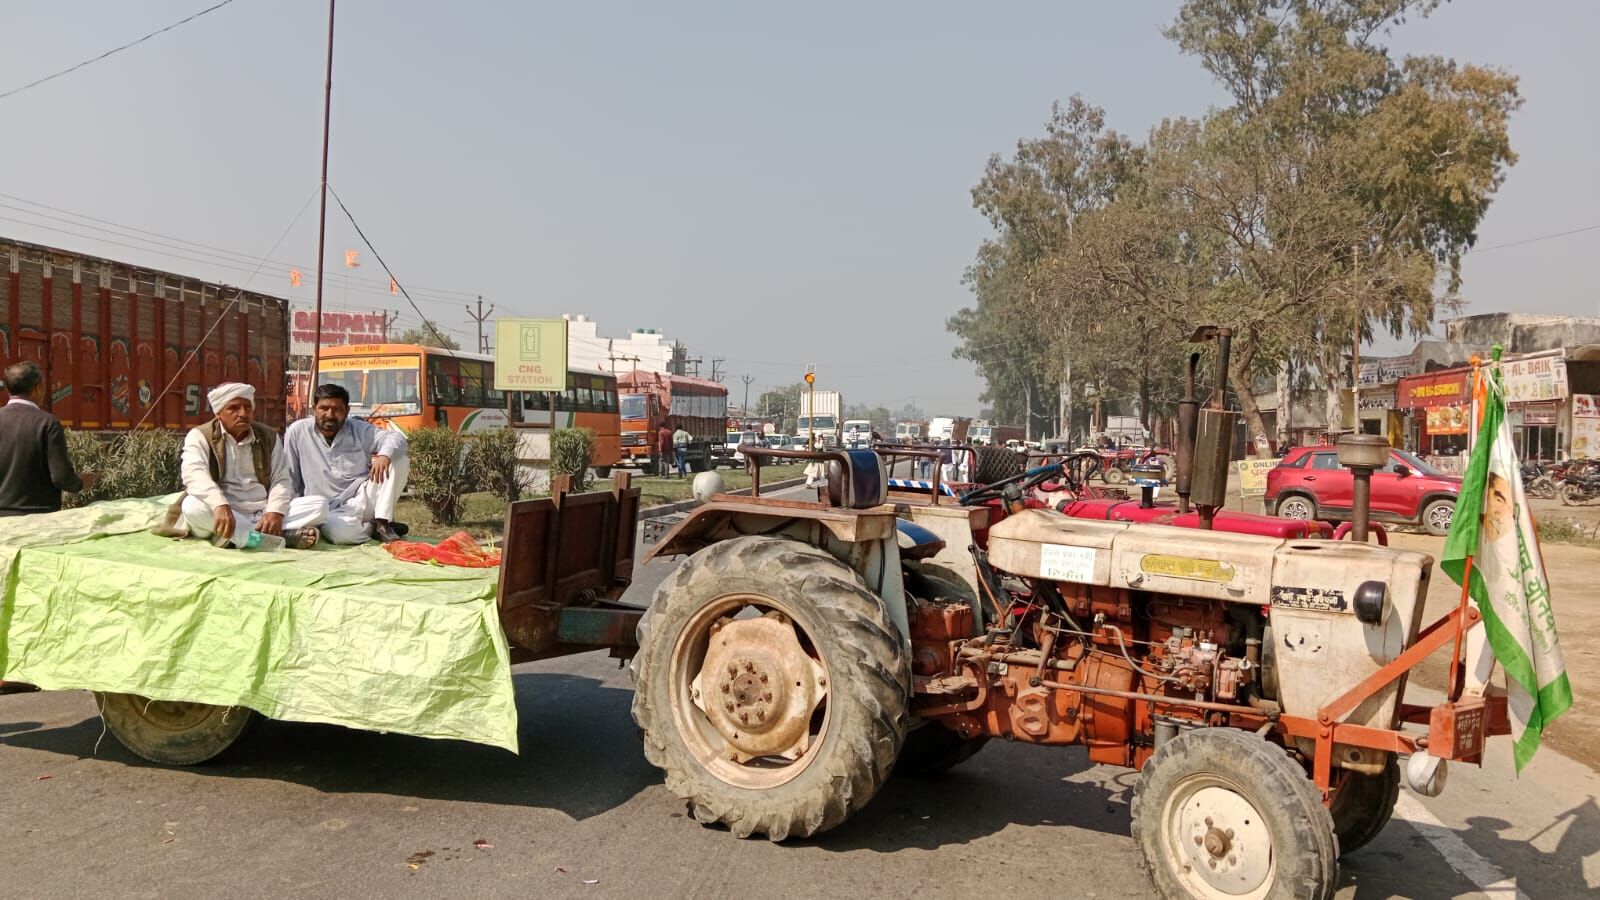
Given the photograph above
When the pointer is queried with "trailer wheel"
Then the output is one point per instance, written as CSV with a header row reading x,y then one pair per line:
x,y
174,733
932,749
1223,813
602,472
1113,474
771,687
1363,804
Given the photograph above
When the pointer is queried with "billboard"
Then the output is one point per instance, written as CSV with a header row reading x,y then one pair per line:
x,y
530,354
338,329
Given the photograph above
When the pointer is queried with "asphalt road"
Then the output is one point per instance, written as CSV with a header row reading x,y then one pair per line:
x,y
309,810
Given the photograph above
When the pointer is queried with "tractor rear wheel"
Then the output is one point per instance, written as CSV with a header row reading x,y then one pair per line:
x,y
1223,813
1363,804
173,733
1113,475
771,687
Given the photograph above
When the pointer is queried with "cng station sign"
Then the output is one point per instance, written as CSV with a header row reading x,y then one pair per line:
x,y
530,355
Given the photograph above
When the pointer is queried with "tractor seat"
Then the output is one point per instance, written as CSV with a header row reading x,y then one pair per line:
x,y
861,482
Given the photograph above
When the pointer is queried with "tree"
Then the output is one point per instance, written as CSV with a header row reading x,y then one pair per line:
x,y
429,335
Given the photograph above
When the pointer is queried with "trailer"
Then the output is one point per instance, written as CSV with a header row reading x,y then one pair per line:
x,y
125,346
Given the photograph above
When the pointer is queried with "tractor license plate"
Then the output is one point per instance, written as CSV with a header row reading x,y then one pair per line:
x,y
1456,730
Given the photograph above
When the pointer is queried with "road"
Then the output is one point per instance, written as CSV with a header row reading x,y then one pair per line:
x,y
315,810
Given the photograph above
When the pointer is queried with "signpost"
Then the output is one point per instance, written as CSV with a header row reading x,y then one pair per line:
x,y
1253,477
530,354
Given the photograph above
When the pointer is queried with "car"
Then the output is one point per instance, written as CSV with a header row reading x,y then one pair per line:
x,y
737,439
1310,484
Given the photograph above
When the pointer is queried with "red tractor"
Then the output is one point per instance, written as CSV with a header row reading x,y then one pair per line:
x,y
802,651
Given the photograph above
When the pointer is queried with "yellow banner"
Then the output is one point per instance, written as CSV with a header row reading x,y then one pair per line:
x,y
1253,476
329,364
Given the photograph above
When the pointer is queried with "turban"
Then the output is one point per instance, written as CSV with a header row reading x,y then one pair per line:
x,y
220,395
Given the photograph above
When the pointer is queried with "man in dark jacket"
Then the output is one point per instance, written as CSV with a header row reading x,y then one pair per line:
x,y
34,466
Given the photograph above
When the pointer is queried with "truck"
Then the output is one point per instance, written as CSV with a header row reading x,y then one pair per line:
x,y
857,434
125,346
984,432
649,401
949,428
910,432
824,421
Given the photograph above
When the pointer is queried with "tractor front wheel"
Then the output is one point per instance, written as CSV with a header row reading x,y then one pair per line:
x,y
173,733
1223,813
771,687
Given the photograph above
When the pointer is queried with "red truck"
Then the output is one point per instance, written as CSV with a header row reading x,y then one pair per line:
x,y
123,346
651,400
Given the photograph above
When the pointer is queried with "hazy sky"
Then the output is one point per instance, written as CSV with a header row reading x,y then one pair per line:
x,y
774,183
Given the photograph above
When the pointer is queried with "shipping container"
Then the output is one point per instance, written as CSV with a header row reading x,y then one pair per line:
x,y
125,346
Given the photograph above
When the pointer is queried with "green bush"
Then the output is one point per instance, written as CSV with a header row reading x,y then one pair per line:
x,y
571,450
438,472
492,463
136,464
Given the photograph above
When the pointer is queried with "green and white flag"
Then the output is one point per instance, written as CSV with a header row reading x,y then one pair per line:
x,y
1494,526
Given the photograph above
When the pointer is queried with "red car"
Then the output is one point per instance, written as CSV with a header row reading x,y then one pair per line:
x,y
1310,484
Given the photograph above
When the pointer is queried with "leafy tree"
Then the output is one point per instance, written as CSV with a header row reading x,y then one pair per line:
x,y
429,335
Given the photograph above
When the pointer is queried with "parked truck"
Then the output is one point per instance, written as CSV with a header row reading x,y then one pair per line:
x,y
910,432
123,346
650,401
823,419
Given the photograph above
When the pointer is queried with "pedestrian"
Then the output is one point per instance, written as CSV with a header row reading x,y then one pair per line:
x,y
236,475
663,451
359,469
34,465
947,469
680,447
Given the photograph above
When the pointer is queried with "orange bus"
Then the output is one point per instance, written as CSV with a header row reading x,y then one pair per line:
x,y
411,386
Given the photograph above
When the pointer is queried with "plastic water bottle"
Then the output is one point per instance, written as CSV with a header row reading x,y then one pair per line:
x,y
247,538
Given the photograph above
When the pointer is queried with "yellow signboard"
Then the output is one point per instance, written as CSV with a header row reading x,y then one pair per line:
x,y
333,363
1190,567
1253,476
530,355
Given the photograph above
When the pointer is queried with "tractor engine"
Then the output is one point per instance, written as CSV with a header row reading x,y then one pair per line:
x,y
1073,659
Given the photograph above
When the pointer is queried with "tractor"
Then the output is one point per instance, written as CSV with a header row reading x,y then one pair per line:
x,y
802,651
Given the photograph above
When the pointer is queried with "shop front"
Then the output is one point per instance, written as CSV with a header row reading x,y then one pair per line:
x,y
1437,406
1535,386
1585,425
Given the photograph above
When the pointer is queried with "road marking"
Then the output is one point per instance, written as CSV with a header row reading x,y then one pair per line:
x,y
1465,860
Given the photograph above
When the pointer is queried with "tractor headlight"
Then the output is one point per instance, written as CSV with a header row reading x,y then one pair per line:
x,y
1370,600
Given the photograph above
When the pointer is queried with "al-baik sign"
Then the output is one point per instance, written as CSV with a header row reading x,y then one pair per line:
x,y
530,354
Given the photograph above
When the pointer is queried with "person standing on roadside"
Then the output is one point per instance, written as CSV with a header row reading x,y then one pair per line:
x,y
664,451
34,465
680,448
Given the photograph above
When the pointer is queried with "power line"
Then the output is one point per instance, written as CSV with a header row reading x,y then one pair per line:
x,y
377,256
70,69
1535,240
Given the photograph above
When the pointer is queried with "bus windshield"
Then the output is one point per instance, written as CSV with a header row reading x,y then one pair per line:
x,y
633,406
374,382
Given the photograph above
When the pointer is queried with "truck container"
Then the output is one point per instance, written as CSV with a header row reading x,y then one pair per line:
x,y
995,435
125,346
824,420
949,428
651,400
910,432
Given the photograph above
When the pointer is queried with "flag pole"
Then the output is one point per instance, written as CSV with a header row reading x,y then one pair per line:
x,y
322,213
1454,687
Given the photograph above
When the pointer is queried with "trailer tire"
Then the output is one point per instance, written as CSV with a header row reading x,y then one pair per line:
x,y
994,464
853,733
1113,474
1363,805
932,749
1219,812
602,472
174,733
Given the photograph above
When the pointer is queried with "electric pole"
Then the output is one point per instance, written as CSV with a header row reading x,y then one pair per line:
x,y
747,379
388,320
623,358
479,317
717,375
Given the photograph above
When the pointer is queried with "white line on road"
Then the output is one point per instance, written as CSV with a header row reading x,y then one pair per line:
x,y
1465,860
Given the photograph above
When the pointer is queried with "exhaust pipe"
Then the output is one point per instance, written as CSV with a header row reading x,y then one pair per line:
x,y
1188,422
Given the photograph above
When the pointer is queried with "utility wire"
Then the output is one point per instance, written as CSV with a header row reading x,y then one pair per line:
x,y
70,69
1535,240
375,255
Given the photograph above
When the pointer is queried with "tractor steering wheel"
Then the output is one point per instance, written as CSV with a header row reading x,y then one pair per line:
x,y
1018,485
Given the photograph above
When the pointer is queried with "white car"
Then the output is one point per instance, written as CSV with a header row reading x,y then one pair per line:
x,y
738,438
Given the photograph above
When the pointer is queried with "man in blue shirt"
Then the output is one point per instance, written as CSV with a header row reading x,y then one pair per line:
x,y
359,468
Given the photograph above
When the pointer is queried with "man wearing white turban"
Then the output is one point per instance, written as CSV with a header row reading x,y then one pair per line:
x,y
236,475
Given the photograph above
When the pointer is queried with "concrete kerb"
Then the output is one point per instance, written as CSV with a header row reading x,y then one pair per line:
x,y
667,509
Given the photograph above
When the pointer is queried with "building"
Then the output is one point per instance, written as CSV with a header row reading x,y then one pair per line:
x,y
645,349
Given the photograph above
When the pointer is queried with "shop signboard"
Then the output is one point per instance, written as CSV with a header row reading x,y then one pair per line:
x,y
1444,420
1541,412
1385,370
1537,376
1448,388
338,329
1585,425
1377,400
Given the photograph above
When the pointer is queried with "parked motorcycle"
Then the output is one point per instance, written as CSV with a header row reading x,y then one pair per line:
x,y
1580,485
1538,481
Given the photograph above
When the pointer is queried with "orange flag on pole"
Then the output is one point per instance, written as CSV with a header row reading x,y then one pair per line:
x,y
294,277
350,260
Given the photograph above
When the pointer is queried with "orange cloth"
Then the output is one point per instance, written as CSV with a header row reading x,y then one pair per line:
x,y
459,549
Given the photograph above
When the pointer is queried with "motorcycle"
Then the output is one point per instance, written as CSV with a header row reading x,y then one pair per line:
x,y
1538,481
1580,485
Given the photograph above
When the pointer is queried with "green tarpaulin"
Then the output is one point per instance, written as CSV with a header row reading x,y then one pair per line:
x,y
348,636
